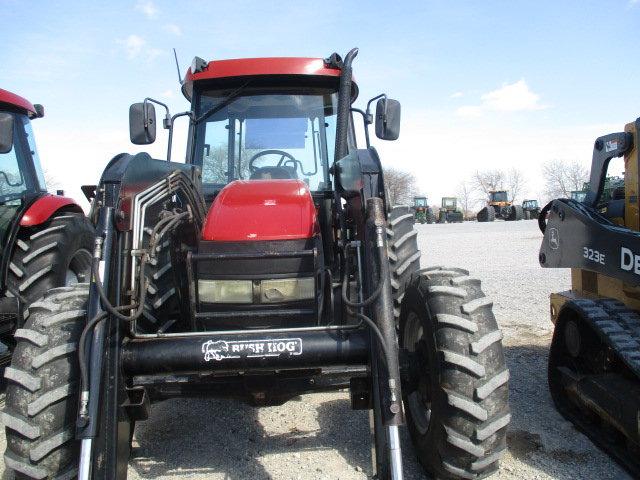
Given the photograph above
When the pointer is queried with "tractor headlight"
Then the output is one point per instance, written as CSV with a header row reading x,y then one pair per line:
x,y
267,291
287,289
225,291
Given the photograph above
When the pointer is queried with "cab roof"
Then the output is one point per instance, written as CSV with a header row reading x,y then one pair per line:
x,y
13,101
252,67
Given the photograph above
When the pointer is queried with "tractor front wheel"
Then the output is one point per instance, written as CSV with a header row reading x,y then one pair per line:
x,y
42,392
456,394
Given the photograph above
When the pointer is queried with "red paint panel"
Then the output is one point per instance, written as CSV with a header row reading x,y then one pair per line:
x,y
261,210
16,101
42,209
263,66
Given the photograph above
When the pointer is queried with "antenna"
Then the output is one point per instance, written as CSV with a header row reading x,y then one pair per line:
x,y
175,55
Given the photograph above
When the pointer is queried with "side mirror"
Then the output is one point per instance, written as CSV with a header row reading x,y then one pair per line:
x,y
142,123
387,119
6,132
39,110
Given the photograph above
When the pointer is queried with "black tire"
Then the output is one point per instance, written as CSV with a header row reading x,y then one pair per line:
x,y
515,213
527,215
457,402
402,249
42,392
161,303
487,214
50,255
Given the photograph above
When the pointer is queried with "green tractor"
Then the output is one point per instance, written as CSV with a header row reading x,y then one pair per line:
x,y
449,212
422,212
530,209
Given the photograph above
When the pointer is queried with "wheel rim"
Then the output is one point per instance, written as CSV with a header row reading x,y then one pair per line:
x,y
418,401
79,267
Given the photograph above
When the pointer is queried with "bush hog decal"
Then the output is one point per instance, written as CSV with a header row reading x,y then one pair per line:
x,y
221,349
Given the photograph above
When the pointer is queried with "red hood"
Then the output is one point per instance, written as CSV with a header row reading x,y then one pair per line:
x,y
261,210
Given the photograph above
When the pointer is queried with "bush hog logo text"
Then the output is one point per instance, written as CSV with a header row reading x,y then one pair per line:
x,y
221,349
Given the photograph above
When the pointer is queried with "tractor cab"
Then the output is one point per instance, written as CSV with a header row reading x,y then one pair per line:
x,y
497,197
420,202
578,195
21,177
530,204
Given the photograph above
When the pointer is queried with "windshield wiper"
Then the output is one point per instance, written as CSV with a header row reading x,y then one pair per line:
x,y
216,108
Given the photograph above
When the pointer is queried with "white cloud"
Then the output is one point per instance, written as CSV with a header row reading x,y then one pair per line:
x,y
173,29
510,97
133,45
147,7
137,47
167,93
514,97
456,95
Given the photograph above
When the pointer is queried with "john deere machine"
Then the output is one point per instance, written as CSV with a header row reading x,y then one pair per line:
x,y
594,362
449,212
45,240
530,209
267,265
499,206
422,212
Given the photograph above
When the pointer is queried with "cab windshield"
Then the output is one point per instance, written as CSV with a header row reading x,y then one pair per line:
x,y
498,196
266,134
420,202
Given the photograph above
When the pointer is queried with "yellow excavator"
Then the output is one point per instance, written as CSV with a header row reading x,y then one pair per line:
x,y
594,360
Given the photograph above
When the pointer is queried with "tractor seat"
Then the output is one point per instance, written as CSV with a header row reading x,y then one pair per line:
x,y
274,173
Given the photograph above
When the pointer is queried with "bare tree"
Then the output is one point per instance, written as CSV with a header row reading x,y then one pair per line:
x,y
401,186
467,198
515,183
488,180
562,177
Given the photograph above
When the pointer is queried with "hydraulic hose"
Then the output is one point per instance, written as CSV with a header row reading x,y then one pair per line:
x,y
166,224
345,285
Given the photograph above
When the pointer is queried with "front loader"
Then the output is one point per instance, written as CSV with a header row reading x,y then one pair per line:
x,y
594,361
266,266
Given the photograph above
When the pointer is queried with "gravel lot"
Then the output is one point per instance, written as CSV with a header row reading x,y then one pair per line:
x,y
319,437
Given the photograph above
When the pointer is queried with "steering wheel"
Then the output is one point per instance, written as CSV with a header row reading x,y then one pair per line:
x,y
281,162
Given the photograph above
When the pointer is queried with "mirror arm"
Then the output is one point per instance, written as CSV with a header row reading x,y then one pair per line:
x,y
166,121
367,119
170,121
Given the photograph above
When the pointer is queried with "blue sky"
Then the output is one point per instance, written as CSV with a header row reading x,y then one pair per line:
x,y
482,84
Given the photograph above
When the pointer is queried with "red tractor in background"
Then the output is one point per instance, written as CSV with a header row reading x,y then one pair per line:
x,y
45,240
268,265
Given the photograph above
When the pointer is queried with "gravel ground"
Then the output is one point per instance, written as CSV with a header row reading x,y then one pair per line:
x,y
318,436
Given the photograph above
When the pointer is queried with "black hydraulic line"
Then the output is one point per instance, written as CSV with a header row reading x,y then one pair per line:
x,y
344,105
345,284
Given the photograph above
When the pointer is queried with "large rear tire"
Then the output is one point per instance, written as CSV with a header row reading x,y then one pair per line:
x,y
50,255
402,249
457,400
42,393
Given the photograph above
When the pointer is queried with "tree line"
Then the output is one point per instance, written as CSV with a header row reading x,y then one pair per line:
x,y
560,178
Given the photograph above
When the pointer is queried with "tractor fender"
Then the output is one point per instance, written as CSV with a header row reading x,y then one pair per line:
x,y
44,207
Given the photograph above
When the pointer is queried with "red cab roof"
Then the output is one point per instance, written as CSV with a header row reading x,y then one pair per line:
x,y
249,67
16,101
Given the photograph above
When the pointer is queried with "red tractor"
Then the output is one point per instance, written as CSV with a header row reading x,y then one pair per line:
x,y
45,239
266,266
